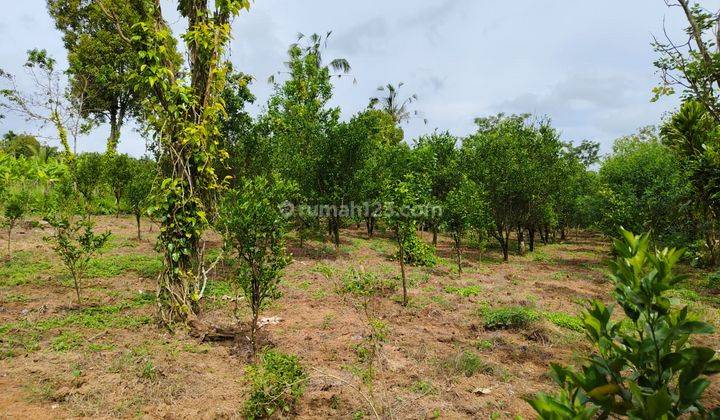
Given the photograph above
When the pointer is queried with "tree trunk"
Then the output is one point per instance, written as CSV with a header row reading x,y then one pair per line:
x,y
531,239
117,205
435,234
402,272
77,286
336,231
521,241
563,236
137,220
458,253
8,241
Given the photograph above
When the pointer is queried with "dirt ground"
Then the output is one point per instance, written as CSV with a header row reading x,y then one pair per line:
x,y
108,359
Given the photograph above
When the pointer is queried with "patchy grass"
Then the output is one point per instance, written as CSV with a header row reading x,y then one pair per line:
x,y
467,291
508,317
24,267
561,319
115,265
466,363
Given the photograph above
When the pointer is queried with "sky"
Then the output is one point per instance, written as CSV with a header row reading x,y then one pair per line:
x,y
586,65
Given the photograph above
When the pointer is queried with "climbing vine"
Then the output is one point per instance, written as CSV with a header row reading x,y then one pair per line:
x,y
182,109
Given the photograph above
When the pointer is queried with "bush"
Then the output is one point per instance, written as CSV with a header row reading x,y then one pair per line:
x,y
713,280
363,283
419,253
510,317
561,319
643,365
276,383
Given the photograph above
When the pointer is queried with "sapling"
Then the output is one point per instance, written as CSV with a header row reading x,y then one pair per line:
x,y
15,209
400,214
644,366
75,243
137,192
254,226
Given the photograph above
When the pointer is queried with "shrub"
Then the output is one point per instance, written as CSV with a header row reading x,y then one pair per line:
x,y
276,383
15,209
509,317
643,366
364,283
713,280
418,253
75,243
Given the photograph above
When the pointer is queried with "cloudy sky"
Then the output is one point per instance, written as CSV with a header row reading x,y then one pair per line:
x,y
587,65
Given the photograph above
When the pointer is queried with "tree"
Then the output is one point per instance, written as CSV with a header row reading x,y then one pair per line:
x,y
496,158
694,137
15,207
75,243
644,365
642,173
437,156
19,144
401,214
691,66
300,121
182,110
118,173
392,103
254,227
100,61
461,206
50,104
88,171
138,189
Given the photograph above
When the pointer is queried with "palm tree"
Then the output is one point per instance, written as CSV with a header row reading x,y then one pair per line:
x,y
313,45
393,104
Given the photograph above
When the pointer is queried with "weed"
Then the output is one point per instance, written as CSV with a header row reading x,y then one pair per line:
x,y
423,388
364,283
67,340
467,291
484,344
148,371
148,266
561,319
326,270
24,267
509,317
276,383
196,348
467,363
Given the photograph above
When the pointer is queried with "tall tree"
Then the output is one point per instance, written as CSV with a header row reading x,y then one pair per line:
x,y
391,102
182,110
100,61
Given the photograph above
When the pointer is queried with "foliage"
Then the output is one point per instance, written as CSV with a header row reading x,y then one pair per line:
x,y
137,191
647,369
509,317
276,384
118,172
365,283
100,60
182,110
16,206
75,243
418,253
254,227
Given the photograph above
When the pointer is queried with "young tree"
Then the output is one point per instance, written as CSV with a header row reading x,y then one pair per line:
x,y
100,61
461,207
254,227
401,213
182,110
15,207
137,191
88,170
75,243
118,174
644,366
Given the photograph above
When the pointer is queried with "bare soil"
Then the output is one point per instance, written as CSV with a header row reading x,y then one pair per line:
x,y
108,359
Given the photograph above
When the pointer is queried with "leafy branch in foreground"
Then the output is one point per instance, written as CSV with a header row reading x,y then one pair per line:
x,y
644,365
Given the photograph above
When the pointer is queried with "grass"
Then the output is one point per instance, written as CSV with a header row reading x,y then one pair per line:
x,y
66,341
466,363
563,320
508,317
467,291
115,265
25,335
24,267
